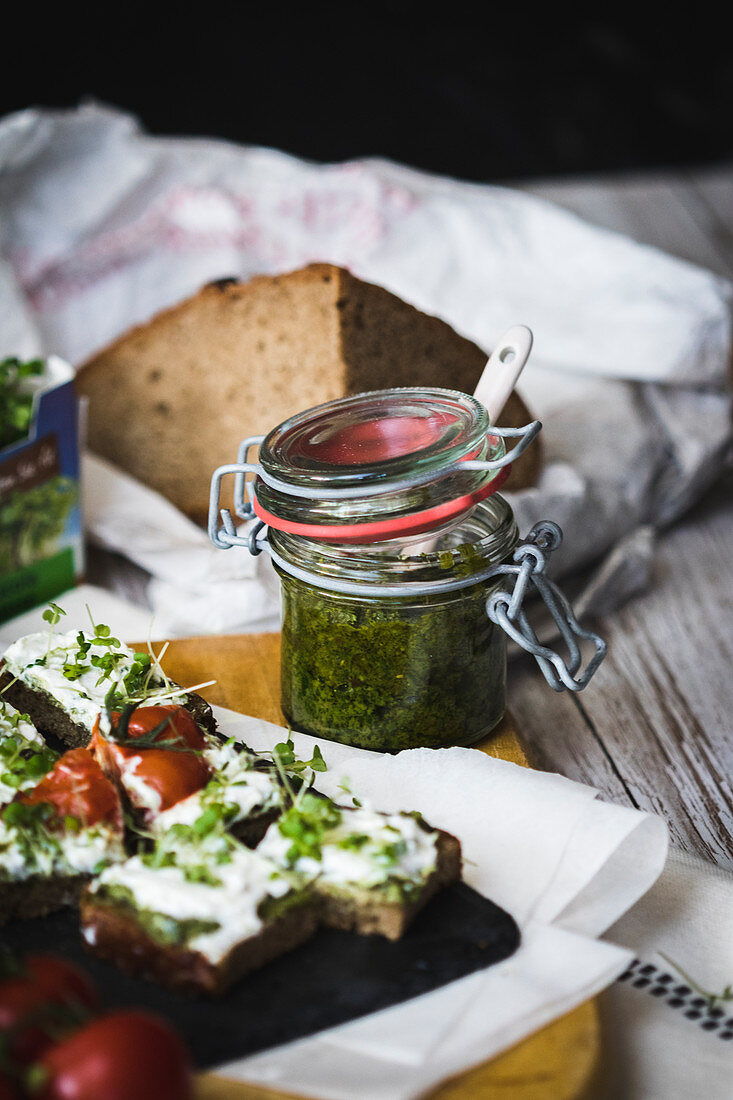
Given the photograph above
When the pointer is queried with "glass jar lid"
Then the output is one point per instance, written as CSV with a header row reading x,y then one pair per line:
x,y
378,465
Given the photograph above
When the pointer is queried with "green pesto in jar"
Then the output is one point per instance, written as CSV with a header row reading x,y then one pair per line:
x,y
388,673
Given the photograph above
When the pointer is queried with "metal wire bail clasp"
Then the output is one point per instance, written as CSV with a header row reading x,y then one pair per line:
x,y
224,535
506,610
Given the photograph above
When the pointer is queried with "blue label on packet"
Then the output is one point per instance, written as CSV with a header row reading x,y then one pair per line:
x,y
41,539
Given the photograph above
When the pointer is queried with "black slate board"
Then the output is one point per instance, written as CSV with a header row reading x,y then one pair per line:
x,y
334,977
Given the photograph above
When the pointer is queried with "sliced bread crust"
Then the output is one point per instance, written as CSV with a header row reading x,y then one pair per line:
x,y
38,895
250,830
366,912
113,933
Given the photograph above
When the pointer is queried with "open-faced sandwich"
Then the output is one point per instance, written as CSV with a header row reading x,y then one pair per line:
x,y
197,911
156,821
64,681
371,871
56,835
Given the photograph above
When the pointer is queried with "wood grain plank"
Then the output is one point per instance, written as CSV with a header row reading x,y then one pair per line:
x,y
661,707
557,735
245,669
655,727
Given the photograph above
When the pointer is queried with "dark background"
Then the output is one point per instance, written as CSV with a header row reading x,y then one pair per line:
x,y
473,91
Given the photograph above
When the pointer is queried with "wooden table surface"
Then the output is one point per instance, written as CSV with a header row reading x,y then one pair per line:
x,y
656,729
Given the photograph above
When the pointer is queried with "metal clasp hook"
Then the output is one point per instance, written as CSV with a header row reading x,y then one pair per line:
x,y
505,608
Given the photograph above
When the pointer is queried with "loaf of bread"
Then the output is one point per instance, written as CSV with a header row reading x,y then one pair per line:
x,y
172,399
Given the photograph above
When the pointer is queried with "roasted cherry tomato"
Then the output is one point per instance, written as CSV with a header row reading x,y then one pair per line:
x,y
45,998
168,761
122,1056
174,725
77,787
173,776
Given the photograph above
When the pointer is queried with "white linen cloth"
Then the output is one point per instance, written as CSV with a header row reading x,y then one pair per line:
x,y
101,225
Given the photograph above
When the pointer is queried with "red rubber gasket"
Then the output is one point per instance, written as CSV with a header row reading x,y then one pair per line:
x,y
384,528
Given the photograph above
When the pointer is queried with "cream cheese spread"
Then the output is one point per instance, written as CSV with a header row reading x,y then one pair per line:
x,y
60,853
18,737
39,659
246,880
141,794
365,849
17,725
24,756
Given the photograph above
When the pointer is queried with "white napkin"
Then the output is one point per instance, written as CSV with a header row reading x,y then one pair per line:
x,y
101,225
565,866
195,588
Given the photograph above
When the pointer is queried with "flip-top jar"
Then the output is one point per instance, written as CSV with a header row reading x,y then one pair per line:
x,y
381,517
394,672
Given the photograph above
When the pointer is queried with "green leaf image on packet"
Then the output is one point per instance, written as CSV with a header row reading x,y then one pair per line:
x,y
41,548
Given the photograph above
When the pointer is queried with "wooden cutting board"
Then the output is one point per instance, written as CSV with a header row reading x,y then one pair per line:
x,y
556,1063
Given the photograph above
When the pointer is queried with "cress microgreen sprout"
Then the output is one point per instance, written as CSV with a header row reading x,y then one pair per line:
x,y
23,764
133,678
289,766
194,848
305,825
284,752
31,830
713,999
52,615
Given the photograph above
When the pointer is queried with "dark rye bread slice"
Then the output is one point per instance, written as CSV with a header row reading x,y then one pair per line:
x,y
369,913
250,830
23,899
50,719
112,932
237,358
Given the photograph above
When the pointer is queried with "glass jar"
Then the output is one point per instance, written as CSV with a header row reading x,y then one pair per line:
x,y
391,672
381,517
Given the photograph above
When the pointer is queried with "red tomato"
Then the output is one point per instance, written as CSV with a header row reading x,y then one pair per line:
x,y
77,787
171,772
46,995
123,1056
179,725
172,775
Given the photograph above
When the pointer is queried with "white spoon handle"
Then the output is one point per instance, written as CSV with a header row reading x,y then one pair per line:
x,y
503,368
